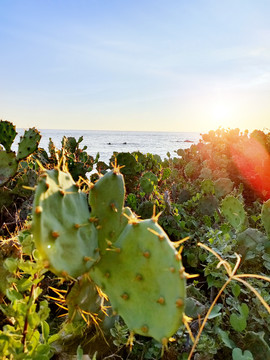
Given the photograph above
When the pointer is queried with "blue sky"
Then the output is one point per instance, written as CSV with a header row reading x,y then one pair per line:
x,y
151,65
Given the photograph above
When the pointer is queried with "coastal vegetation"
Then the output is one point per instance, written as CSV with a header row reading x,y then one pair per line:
x,y
194,229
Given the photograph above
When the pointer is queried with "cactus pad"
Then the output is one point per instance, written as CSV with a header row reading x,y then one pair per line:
x,y
148,181
28,143
234,212
8,166
223,186
7,134
106,199
144,278
84,296
62,231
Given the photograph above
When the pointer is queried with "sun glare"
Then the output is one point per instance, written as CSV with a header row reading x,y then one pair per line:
x,y
221,113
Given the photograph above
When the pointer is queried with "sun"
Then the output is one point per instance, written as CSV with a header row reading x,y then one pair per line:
x,y
221,115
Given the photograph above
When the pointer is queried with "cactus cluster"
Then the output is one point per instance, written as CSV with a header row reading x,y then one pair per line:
x,y
8,159
132,261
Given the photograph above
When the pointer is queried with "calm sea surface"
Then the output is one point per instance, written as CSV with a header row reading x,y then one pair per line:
x,y
106,142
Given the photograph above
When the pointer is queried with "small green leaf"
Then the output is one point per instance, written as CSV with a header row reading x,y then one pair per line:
x,y
238,322
225,338
45,330
236,290
79,353
238,355
11,264
244,310
53,338
13,295
215,312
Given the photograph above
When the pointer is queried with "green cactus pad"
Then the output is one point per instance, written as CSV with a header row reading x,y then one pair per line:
x,y
83,296
250,240
61,228
148,181
8,166
7,134
223,186
106,199
234,212
28,143
129,163
208,205
207,186
265,216
144,278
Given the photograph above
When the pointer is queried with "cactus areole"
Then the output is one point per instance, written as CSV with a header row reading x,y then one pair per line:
x,y
133,261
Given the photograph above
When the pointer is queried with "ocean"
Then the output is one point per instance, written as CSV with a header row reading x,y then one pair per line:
x,y
106,142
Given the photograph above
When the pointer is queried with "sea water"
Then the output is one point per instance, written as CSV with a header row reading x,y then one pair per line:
x,y
107,142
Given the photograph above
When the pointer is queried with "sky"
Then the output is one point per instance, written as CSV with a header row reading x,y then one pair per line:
x,y
149,65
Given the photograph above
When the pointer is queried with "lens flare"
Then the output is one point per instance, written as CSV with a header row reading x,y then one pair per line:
x,y
253,162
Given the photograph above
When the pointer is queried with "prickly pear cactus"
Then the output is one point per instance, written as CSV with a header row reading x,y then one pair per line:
x,y
144,278
148,181
63,234
207,186
8,166
208,205
139,268
223,186
265,216
234,212
7,134
106,199
28,143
